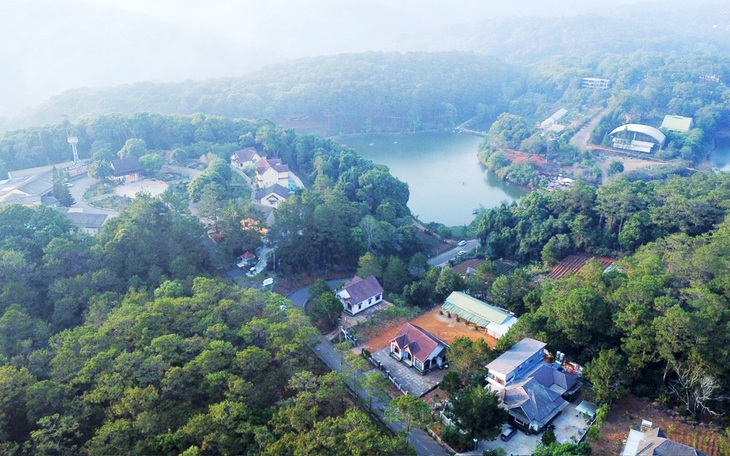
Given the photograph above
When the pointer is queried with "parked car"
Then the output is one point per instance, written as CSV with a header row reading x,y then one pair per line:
x,y
461,243
507,433
461,253
251,272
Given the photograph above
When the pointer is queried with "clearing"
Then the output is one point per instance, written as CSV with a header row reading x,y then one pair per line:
x,y
627,413
446,329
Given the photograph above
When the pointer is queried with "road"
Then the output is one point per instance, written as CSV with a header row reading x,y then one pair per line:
x,y
580,139
80,184
300,296
419,440
443,259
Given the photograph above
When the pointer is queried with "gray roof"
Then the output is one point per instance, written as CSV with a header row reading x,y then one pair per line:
x,y
276,189
245,155
127,165
548,376
518,354
656,443
530,401
362,289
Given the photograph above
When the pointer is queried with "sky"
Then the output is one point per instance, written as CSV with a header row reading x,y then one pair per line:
x,y
48,46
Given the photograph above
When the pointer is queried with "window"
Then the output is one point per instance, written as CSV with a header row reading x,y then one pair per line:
x,y
377,298
359,306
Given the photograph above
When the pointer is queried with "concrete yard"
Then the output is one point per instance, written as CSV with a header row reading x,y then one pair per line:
x,y
409,378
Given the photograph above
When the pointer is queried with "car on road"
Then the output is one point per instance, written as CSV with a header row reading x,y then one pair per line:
x,y
251,272
461,253
507,433
461,243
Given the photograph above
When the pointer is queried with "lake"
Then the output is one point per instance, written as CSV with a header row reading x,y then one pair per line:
x,y
720,157
446,180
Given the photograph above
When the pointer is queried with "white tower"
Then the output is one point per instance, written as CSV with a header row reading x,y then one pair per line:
x,y
73,140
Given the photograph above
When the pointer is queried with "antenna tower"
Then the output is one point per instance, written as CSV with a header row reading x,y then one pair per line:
x,y
73,140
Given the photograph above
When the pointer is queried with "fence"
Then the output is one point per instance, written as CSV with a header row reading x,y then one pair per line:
x,y
385,371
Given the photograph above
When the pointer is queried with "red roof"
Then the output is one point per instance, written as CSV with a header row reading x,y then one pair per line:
x,y
574,263
419,342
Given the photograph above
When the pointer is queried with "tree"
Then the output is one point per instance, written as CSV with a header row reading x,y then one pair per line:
x,y
615,167
477,411
325,310
133,147
60,190
151,162
564,449
409,409
696,389
606,373
100,169
369,265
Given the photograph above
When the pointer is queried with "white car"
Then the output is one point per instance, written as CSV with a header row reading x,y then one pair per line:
x,y
461,243
461,253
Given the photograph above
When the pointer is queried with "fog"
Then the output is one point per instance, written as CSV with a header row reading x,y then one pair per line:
x,y
48,46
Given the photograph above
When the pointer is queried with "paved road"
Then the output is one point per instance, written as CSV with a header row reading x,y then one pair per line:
x,y
300,296
80,184
421,442
443,259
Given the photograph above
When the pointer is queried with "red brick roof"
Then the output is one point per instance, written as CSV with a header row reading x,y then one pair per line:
x,y
574,263
420,342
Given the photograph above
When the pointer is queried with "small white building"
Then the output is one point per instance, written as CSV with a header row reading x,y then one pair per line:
x,y
360,294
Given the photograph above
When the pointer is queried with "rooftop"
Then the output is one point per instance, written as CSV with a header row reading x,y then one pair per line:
x,y
518,354
475,310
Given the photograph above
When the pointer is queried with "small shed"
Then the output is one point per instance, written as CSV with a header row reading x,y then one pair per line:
x,y
587,408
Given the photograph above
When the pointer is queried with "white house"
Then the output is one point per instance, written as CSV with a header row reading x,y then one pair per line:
x,y
273,195
245,157
360,294
271,171
515,362
418,348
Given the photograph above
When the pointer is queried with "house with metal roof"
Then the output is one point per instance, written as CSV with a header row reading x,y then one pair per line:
x,y
360,294
495,320
654,442
532,391
418,348
515,362
676,123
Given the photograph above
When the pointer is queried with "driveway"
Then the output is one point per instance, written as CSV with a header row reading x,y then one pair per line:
x,y
409,378
443,259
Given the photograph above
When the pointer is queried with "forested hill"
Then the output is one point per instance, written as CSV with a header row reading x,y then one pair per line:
x,y
348,92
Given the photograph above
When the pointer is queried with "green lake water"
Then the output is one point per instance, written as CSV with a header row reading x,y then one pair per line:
x,y
446,181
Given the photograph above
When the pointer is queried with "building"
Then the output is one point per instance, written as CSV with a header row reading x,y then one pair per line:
x,y
532,391
360,294
418,348
653,442
551,123
273,195
515,362
245,157
271,171
29,187
86,222
596,83
637,137
676,123
495,320
126,169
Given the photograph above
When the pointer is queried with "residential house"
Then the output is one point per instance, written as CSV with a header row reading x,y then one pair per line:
x,y
270,171
360,294
515,362
531,390
245,157
246,259
126,169
273,195
267,213
86,222
495,320
418,348
654,442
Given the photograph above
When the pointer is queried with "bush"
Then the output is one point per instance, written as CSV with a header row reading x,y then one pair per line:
x,y
594,433
455,439
602,413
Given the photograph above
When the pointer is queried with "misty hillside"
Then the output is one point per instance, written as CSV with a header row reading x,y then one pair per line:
x,y
314,87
